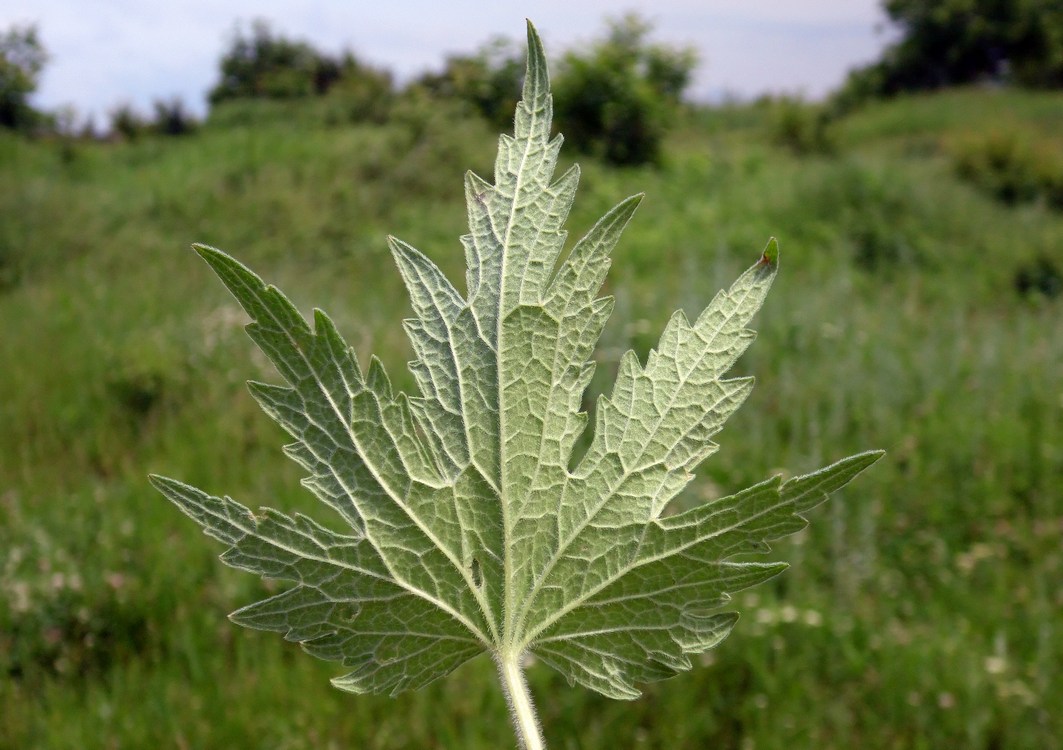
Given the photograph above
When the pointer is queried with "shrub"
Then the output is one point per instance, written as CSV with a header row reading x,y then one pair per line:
x,y
362,93
801,127
489,81
264,64
615,100
173,118
1040,276
127,123
22,57
955,42
1011,166
879,219
1052,187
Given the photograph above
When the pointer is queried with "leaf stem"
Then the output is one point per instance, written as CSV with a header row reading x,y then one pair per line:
x,y
521,708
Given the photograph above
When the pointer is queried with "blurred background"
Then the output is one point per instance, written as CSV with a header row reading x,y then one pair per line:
x,y
908,156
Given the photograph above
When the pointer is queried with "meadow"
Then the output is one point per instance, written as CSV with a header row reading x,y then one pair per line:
x,y
916,311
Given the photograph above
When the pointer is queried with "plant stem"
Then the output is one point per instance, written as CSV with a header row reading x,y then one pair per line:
x,y
521,709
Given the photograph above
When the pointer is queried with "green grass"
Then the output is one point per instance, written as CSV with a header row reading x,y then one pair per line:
x,y
923,607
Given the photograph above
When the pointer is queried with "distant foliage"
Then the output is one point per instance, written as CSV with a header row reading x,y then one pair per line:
x,y
953,42
172,117
800,127
22,58
1039,277
880,220
127,123
362,93
490,80
263,64
1012,167
615,99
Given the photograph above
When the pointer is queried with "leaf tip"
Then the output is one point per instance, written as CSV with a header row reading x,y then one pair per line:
x,y
865,460
348,683
224,264
399,249
770,256
871,458
536,80
163,484
206,252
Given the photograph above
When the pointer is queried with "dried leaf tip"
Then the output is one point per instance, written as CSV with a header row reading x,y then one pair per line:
x,y
770,257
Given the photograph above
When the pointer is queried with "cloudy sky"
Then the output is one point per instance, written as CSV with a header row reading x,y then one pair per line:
x,y
106,52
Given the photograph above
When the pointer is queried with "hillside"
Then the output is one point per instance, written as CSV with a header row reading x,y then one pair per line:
x,y
915,311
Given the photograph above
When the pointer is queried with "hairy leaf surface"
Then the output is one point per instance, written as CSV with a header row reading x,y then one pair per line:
x,y
465,527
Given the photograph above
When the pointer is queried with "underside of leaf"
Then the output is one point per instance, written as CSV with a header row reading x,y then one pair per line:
x,y
465,527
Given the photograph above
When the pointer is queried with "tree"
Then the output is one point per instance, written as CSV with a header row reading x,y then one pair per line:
x,y
490,80
172,117
612,100
266,65
615,99
954,42
22,57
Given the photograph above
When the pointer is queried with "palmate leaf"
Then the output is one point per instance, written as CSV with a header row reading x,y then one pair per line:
x,y
466,530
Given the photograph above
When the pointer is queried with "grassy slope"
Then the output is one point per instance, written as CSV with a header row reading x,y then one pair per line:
x,y
923,607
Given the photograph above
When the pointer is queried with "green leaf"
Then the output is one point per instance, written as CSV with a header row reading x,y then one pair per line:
x,y
464,528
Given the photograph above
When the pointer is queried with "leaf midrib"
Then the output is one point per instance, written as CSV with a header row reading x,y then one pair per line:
x,y
507,520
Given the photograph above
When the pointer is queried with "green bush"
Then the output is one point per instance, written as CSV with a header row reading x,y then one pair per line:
x,y
490,81
878,219
173,118
1052,186
1011,166
22,57
1039,276
266,65
615,100
361,94
801,127
955,42
127,123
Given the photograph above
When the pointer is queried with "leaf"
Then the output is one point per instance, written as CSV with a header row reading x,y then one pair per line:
x,y
466,531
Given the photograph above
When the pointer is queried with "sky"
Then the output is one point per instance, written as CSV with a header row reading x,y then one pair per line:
x,y
109,52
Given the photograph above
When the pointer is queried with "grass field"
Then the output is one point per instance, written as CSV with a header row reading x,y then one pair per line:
x,y
924,606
